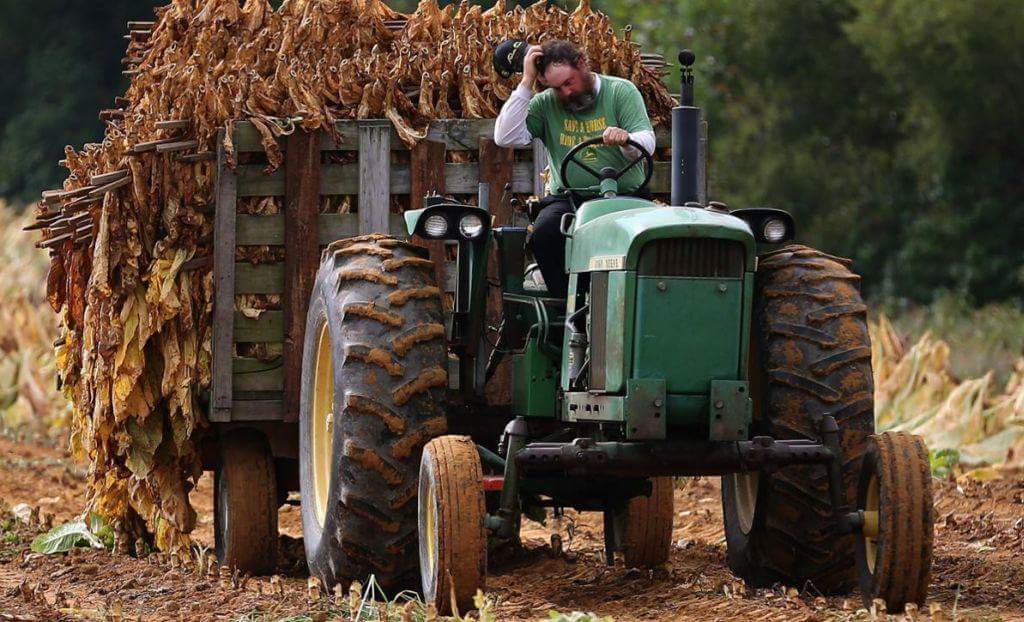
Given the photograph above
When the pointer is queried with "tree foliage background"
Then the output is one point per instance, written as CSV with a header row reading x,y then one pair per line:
x,y
892,129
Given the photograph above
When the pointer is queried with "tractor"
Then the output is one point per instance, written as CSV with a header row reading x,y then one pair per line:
x,y
695,340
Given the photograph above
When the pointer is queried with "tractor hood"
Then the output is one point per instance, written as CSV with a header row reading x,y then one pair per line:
x,y
609,233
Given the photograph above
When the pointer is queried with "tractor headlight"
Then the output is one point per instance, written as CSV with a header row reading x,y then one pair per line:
x,y
471,226
435,226
774,230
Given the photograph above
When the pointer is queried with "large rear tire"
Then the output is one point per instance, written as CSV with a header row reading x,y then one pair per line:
x,y
245,504
811,356
373,381
647,540
453,540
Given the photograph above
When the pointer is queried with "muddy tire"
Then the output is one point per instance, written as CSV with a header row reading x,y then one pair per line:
x,y
647,540
245,504
894,554
373,382
810,356
452,537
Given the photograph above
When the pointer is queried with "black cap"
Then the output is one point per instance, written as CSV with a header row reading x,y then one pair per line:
x,y
509,55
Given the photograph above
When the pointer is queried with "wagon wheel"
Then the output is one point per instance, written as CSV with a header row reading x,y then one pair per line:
x,y
245,503
373,380
453,541
647,540
894,552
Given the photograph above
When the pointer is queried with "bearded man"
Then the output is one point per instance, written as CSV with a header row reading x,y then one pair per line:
x,y
577,104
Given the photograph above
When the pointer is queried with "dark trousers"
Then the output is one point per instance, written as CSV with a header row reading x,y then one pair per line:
x,y
548,243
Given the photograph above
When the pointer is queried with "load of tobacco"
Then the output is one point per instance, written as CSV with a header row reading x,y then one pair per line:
x,y
129,234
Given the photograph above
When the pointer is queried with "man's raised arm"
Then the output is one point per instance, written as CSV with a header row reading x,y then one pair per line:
x,y
510,128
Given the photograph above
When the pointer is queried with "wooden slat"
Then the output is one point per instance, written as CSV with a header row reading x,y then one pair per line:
x,y
224,287
301,257
425,176
257,410
456,134
460,178
249,374
374,176
540,162
267,328
256,230
261,279
496,171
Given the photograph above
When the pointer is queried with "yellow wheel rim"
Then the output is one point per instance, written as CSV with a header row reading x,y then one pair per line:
x,y
745,489
323,422
430,525
870,530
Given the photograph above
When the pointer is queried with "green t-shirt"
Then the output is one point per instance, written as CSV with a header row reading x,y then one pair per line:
x,y
618,104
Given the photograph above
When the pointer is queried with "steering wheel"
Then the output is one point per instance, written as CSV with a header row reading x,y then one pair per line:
x,y
607,172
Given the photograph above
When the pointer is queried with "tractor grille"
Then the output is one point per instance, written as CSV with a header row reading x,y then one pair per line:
x,y
692,257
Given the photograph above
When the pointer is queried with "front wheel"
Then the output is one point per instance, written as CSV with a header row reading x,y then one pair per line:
x,y
894,552
453,541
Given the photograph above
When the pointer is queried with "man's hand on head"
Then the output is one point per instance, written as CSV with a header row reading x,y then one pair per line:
x,y
615,136
530,66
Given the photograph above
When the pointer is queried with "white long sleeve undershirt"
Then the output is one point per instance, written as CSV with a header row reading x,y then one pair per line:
x,y
510,127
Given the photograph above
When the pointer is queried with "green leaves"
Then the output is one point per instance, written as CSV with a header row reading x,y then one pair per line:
x,y
93,532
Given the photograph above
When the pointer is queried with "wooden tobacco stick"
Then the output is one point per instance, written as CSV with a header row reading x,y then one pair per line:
x,y
36,226
197,262
130,72
106,178
201,156
121,102
181,145
140,25
62,162
139,35
80,218
53,241
50,193
84,229
173,124
80,204
152,144
114,185
63,195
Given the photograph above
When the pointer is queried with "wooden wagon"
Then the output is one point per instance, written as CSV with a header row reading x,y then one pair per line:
x,y
258,397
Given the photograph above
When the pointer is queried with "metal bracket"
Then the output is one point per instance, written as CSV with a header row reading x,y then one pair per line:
x,y
730,410
646,409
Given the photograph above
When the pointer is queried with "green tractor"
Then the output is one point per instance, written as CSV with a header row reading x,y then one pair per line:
x,y
692,342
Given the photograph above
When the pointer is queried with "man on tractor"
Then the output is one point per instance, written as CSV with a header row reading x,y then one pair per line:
x,y
577,105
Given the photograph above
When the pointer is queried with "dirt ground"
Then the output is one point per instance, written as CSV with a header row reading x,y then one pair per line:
x,y
978,573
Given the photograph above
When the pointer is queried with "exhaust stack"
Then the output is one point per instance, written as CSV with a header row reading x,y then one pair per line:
x,y
685,137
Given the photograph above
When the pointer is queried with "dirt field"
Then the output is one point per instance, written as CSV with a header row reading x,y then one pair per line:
x,y
978,572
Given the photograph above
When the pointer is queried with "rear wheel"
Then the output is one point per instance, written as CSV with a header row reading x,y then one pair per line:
x,y
373,380
811,356
453,541
647,540
894,552
245,504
